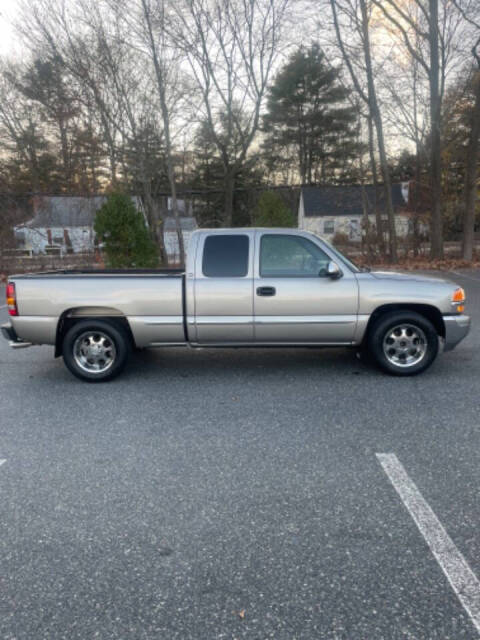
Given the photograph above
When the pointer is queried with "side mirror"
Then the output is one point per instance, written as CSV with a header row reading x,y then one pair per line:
x,y
333,270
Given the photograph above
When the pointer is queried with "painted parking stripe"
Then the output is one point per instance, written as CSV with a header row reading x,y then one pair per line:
x,y
2,462
4,306
462,579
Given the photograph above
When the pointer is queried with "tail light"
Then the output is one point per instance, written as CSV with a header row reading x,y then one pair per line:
x,y
11,299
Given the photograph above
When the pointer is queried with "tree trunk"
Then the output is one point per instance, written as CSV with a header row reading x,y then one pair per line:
x,y
473,153
166,129
392,234
65,154
436,249
229,193
373,164
415,227
155,222
377,119
366,218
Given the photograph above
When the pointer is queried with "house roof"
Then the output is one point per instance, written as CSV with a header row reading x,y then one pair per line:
x,y
187,223
67,211
347,199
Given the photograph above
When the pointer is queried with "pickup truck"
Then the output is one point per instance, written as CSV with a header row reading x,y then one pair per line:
x,y
240,288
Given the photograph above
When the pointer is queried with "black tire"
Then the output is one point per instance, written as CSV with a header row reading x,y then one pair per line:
x,y
116,347
402,329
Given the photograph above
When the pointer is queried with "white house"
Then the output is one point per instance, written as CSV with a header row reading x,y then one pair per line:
x,y
65,224
61,223
328,210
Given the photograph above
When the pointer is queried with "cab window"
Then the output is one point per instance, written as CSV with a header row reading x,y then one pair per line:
x,y
225,256
286,256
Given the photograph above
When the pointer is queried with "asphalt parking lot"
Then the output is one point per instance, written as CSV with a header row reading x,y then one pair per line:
x,y
236,494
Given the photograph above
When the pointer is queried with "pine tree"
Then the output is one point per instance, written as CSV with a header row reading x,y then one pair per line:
x,y
309,120
271,211
122,229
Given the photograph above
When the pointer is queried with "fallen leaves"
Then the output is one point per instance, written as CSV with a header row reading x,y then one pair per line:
x,y
240,614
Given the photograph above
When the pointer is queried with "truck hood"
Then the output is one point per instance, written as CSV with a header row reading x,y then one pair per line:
x,y
413,277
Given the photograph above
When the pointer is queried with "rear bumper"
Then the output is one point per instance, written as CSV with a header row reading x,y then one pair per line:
x,y
14,341
456,328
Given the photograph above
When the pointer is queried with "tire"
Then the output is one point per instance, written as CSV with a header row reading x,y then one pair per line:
x,y
96,350
403,343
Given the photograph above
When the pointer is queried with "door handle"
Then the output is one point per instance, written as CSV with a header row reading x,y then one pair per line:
x,y
266,291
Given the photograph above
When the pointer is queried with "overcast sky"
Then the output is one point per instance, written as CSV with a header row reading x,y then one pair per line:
x,y
8,8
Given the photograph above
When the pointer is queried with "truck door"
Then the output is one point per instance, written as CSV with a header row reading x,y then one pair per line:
x,y
295,301
223,288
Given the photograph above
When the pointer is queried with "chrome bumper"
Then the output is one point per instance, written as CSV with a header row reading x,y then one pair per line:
x,y
456,328
14,341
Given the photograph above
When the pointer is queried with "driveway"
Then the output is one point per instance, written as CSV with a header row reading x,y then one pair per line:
x,y
238,494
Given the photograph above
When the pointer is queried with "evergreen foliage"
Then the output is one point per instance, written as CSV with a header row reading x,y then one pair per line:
x,y
309,120
271,211
122,230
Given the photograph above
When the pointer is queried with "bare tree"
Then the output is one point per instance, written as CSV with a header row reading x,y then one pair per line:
x,y
99,54
160,75
419,23
359,20
230,46
373,168
406,111
81,52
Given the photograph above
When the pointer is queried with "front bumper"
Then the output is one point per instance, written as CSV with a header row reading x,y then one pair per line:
x,y
14,341
456,328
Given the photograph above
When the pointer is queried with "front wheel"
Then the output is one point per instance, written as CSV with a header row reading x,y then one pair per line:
x,y
403,343
95,350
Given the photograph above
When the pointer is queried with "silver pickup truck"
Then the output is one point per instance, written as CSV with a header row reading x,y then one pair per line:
x,y
241,288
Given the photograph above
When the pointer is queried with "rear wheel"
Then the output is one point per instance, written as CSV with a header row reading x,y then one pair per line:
x,y
95,350
403,343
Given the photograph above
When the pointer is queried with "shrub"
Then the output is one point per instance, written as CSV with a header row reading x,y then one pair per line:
x,y
271,211
122,230
341,239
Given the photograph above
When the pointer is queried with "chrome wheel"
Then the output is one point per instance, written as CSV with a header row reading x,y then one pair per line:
x,y
405,345
94,351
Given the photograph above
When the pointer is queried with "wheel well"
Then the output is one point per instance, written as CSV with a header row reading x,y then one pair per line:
x,y
426,310
67,321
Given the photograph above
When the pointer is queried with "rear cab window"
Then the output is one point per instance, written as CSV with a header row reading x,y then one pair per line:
x,y
226,256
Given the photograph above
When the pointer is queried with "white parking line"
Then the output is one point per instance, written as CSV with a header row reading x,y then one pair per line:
x,y
1,462
464,582
4,306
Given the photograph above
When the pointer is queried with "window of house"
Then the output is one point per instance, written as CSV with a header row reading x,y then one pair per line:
x,y
291,256
225,256
329,226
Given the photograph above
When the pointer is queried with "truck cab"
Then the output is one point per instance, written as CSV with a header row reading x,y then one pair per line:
x,y
267,286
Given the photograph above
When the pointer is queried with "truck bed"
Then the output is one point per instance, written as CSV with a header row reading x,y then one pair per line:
x,y
151,300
